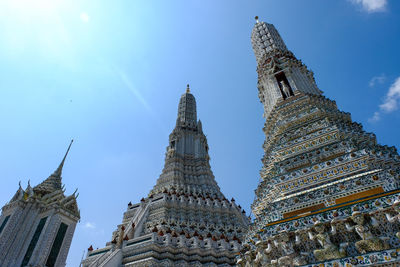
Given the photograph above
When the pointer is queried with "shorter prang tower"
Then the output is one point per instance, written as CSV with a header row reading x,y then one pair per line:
x,y
329,194
185,220
37,224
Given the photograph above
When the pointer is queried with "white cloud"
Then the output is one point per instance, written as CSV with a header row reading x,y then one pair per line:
x,y
377,80
89,225
375,117
392,97
371,6
390,102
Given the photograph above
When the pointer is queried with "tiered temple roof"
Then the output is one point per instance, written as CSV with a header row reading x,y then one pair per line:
x,y
37,224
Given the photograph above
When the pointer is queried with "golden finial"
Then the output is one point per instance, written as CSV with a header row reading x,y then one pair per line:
x,y
187,89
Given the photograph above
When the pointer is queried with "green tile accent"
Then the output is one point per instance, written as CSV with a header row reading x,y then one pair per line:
x,y
34,240
58,241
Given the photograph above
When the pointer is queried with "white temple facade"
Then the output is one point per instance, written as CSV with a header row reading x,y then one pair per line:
x,y
185,220
37,224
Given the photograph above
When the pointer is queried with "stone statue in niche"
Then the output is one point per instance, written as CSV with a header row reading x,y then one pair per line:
x,y
282,241
261,258
393,219
299,239
241,262
334,224
368,241
291,258
285,89
329,250
268,251
248,259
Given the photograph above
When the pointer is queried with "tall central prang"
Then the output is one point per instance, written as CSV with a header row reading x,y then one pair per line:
x,y
329,194
185,220
187,168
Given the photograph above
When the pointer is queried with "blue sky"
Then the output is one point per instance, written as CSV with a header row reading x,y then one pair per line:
x,y
110,74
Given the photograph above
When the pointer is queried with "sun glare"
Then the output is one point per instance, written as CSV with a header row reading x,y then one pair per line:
x,y
27,9
45,28
84,17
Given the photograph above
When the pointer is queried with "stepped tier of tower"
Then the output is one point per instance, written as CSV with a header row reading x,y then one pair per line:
x,y
185,220
316,157
329,194
37,224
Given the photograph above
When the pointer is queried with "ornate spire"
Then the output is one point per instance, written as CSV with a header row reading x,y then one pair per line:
x,y
185,200
265,38
58,171
53,182
280,74
187,115
187,142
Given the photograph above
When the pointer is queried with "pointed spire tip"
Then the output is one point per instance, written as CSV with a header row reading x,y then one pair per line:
x,y
59,169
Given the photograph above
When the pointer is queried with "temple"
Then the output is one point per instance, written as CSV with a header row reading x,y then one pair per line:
x,y
185,220
329,193
37,224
